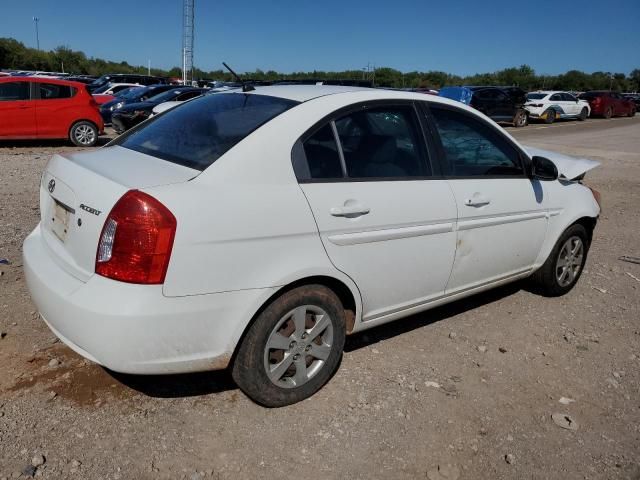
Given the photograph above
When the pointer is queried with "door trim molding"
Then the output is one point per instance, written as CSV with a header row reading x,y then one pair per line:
x,y
391,234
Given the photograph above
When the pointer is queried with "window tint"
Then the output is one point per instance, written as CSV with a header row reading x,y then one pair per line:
x,y
556,97
199,132
323,159
188,95
536,96
382,142
51,91
567,97
14,91
472,148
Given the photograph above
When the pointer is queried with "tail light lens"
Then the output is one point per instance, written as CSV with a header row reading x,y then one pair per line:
x,y
136,240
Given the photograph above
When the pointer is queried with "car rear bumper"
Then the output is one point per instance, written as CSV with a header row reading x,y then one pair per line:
x,y
135,328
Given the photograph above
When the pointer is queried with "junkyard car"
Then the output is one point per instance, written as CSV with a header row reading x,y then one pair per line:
x,y
257,229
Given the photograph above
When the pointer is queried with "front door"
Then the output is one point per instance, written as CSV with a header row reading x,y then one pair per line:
x,y
501,212
383,218
17,112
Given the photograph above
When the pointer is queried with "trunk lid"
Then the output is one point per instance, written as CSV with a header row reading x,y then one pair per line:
x,y
78,191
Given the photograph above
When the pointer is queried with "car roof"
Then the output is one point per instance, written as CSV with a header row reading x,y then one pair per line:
x,y
303,93
55,81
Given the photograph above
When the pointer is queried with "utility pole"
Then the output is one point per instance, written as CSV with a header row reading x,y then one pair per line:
x,y
149,67
188,17
36,20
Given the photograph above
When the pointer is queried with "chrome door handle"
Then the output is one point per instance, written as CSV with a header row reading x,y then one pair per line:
x,y
477,202
349,211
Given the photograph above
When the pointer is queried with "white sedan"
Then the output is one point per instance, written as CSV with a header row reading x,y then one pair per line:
x,y
552,105
257,229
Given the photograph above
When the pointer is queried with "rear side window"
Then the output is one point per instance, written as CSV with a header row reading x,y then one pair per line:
x,y
12,91
323,158
197,133
472,148
51,91
382,142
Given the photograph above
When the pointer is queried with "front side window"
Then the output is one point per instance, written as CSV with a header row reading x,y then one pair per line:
x,y
197,133
13,91
473,148
52,91
382,142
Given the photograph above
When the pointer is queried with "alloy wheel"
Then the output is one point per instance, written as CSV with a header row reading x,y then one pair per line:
x,y
298,346
569,261
84,134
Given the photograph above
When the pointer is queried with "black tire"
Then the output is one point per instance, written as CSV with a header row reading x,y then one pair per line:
x,y
83,134
632,113
550,117
583,114
520,119
249,369
608,113
545,279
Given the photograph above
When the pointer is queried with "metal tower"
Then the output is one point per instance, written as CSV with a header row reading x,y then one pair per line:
x,y
187,40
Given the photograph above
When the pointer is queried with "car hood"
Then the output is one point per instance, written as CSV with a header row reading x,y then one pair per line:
x,y
569,168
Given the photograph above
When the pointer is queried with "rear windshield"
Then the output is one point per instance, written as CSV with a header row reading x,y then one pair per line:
x,y
197,133
536,96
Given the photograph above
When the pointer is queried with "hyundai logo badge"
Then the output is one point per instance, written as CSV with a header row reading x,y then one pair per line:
x,y
52,185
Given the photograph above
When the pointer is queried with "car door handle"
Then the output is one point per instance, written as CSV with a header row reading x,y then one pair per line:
x,y
350,210
477,202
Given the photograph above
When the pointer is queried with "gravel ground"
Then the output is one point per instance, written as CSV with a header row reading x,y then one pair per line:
x,y
465,391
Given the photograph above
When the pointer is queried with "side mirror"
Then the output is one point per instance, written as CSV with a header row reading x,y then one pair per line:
x,y
543,169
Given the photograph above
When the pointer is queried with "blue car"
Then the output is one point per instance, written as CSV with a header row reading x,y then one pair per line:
x,y
135,95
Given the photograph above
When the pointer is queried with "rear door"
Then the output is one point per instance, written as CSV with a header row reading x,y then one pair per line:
x,y
17,110
502,217
54,109
384,218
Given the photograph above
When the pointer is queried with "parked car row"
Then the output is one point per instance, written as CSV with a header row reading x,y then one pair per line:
x,y
513,105
125,100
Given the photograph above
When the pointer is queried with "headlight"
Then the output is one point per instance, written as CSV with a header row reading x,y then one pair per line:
x,y
117,106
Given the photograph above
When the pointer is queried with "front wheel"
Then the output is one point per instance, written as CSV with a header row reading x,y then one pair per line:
x,y
608,113
632,113
559,274
83,134
293,347
520,119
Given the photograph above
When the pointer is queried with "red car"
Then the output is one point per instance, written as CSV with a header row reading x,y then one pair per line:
x,y
609,104
38,107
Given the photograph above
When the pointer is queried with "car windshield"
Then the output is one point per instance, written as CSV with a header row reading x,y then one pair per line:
x,y
125,91
197,133
165,96
103,89
536,96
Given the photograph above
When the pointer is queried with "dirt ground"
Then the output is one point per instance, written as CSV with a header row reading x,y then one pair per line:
x,y
465,391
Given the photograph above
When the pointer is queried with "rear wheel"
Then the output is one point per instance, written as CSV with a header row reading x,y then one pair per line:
x,y
83,134
563,268
292,348
608,113
520,119
550,116
632,112
583,114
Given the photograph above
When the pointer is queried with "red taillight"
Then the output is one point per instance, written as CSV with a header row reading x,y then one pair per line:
x,y
136,240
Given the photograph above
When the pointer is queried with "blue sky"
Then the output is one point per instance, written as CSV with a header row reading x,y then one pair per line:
x,y
461,36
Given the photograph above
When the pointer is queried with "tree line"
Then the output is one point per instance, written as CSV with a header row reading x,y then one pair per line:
x,y
15,55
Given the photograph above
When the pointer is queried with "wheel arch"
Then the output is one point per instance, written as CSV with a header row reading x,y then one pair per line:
x,y
588,221
346,291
